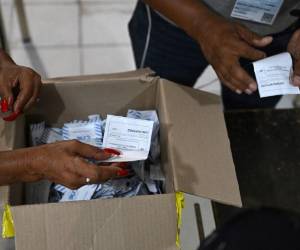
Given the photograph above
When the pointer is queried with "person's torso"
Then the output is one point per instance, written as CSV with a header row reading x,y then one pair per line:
x,y
282,21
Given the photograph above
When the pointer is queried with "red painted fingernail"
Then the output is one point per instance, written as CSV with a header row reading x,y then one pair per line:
x,y
111,151
4,105
122,172
12,117
123,165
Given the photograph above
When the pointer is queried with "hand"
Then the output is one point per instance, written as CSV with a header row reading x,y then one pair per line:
x,y
294,49
223,44
65,163
14,76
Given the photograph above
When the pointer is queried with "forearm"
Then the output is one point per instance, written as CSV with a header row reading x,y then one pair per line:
x,y
190,15
14,166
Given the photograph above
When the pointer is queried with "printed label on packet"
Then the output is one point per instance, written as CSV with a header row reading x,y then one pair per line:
x,y
131,136
261,11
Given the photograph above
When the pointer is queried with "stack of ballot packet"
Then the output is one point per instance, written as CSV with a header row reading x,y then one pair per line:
x,y
136,136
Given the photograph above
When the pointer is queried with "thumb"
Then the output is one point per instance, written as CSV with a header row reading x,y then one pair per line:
x,y
253,38
294,49
296,76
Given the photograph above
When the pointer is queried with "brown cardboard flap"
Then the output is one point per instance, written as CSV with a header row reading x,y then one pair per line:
x,y
144,222
67,101
199,147
137,74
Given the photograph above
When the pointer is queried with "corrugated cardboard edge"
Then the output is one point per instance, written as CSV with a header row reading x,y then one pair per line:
x,y
90,224
218,183
146,75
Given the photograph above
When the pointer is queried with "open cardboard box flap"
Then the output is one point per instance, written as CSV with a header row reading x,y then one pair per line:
x,y
199,145
196,158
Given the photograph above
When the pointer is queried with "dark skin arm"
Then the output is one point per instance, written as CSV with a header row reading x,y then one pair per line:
x,y
62,162
222,42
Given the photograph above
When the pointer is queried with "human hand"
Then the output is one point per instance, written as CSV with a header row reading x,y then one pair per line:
x,y
65,163
294,49
24,79
223,44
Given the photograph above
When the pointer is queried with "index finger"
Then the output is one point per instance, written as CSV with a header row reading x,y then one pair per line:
x,y
96,174
241,77
26,80
89,151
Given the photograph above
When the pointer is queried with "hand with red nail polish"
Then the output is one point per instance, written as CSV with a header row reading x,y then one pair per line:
x,y
14,77
61,162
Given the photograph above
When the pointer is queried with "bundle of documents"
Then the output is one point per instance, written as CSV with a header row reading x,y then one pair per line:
x,y
136,136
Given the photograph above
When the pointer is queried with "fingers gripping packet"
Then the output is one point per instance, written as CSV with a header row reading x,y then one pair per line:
x,y
131,136
89,132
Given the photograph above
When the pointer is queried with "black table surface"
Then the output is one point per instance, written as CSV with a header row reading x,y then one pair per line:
x,y
266,150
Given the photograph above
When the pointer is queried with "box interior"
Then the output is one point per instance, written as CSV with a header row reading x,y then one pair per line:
x,y
195,149
91,224
76,101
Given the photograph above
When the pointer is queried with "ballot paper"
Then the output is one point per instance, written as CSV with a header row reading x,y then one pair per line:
x,y
274,75
131,136
261,11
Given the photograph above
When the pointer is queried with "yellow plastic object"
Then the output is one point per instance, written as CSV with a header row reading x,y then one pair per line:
x,y
179,207
8,230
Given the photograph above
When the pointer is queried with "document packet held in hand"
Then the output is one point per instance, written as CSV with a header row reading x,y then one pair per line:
x,y
131,136
274,75
89,132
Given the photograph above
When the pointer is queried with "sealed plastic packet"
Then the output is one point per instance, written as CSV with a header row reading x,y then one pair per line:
x,y
89,132
51,135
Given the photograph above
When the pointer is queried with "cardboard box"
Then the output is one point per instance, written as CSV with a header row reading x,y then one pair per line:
x,y
196,158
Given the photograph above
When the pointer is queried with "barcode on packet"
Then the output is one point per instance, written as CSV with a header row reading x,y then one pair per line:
x,y
267,18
